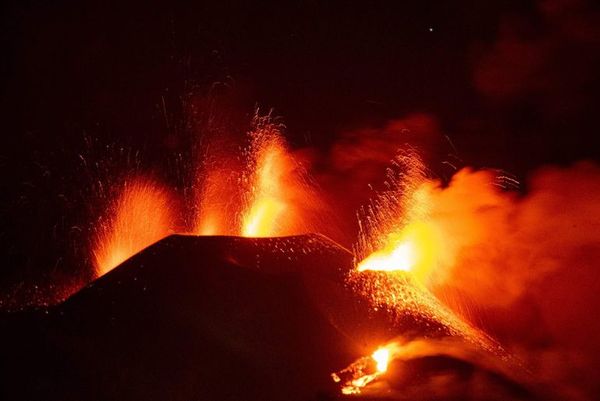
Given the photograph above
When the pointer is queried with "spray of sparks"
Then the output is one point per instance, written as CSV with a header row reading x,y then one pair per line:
x,y
263,193
396,260
252,200
140,214
268,166
394,232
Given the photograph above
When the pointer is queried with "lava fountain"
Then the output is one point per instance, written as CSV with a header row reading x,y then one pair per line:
x,y
396,261
263,193
141,213
395,231
217,199
267,179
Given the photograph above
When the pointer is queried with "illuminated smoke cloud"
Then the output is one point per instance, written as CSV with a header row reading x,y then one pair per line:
x,y
524,267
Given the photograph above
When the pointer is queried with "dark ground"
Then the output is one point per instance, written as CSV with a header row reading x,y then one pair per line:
x,y
218,318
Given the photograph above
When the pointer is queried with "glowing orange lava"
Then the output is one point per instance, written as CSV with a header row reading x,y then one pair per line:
x,y
366,370
275,188
400,250
217,201
414,248
398,234
139,216
382,358
264,193
267,202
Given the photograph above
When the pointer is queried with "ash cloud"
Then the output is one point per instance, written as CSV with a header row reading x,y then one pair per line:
x,y
525,268
520,265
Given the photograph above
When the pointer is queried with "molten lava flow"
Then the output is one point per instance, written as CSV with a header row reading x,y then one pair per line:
x,y
382,358
140,215
367,374
366,369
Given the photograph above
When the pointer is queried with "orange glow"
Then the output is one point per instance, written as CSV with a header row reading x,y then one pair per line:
x,y
439,234
278,199
267,185
382,358
398,233
139,216
367,375
264,193
366,369
404,251
218,201
415,248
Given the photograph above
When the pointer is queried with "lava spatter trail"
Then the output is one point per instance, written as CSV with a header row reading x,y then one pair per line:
x,y
396,259
264,192
141,213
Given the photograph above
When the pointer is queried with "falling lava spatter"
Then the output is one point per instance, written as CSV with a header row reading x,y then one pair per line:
x,y
267,170
265,194
400,248
142,212
365,370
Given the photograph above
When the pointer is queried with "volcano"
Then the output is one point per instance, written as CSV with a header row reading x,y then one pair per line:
x,y
229,318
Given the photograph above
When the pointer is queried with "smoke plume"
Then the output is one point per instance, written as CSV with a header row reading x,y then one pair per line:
x,y
524,267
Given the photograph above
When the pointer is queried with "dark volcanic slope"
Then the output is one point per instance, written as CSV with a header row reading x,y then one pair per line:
x,y
228,318
189,318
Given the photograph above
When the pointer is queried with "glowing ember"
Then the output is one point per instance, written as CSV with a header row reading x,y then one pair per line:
x,y
139,216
